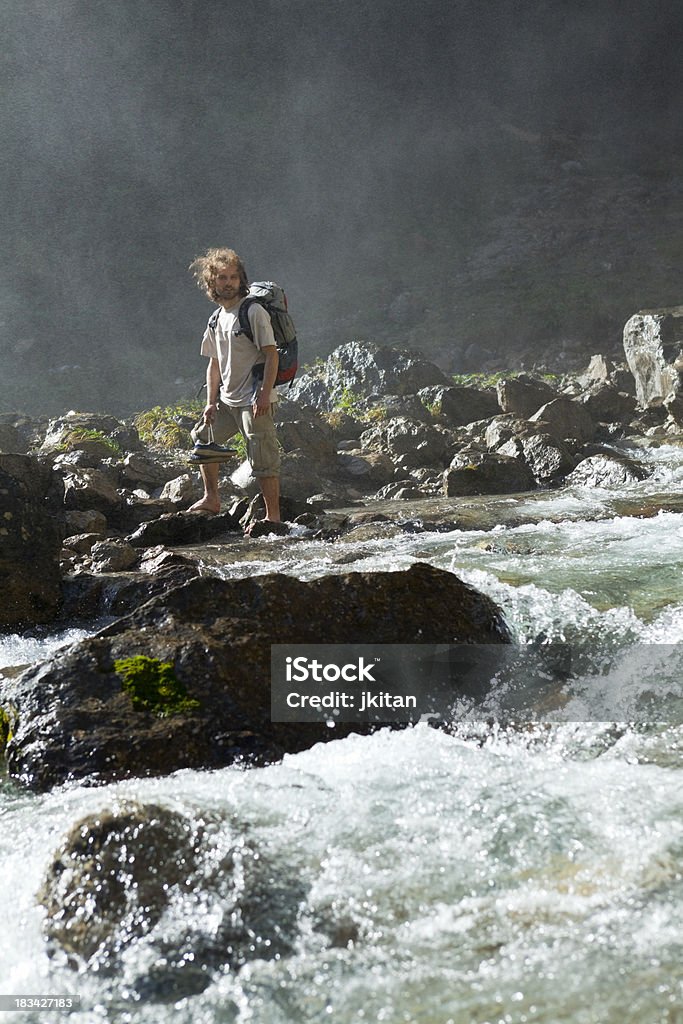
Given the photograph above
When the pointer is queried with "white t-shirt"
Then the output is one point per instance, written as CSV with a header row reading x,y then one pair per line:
x,y
236,354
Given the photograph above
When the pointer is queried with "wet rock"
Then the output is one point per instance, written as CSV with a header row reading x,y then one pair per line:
x,y
266,528
76,720
653,343
112,879
122,890
95,596
606,471
564,418
182,528
491,473
31,543
524,395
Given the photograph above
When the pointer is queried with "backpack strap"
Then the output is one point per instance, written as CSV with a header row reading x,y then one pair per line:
x,y
243,314
213,319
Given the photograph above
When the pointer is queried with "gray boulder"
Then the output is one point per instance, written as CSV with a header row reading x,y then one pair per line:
x,y
456,406
606,404
417,444
67,432
486,473
502,429
113,555
548,459
86,489
565,419
606,471
360,369
653,343
524,395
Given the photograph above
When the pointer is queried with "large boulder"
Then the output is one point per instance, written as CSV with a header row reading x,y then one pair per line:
x,y
456,405
653,343
122,889
606,404
417,444
31,543
524,395
360,369
486,473
86,489
565,419
548,459
606,470
201,658
71,430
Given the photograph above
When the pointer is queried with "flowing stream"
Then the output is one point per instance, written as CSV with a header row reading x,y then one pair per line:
x,y
488,875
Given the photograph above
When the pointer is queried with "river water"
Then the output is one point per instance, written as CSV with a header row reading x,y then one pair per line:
x,y
496,874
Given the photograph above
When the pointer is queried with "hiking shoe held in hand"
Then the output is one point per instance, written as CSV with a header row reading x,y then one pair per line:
x,y
211,452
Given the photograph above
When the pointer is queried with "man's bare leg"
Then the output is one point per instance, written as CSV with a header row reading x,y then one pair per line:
x,y
211,502
270,489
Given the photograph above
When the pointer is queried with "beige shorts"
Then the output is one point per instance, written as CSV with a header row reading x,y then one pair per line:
x,y
263,451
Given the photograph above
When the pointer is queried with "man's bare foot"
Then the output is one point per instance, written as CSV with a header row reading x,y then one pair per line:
x,y
205,505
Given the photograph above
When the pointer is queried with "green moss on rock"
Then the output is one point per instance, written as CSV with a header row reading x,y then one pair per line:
x,y
152,686
6,730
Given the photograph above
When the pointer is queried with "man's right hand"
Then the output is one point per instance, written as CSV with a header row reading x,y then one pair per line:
x,y
210,412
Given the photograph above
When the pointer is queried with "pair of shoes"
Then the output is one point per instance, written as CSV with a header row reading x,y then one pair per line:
x,y
211,452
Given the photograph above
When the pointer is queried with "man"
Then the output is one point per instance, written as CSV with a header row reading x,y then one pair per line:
x,y
237,398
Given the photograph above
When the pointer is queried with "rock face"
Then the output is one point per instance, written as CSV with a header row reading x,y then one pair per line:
x,y
653,343
30,543
73,717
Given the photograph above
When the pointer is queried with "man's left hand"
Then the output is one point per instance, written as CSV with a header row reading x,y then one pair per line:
x,y
261,403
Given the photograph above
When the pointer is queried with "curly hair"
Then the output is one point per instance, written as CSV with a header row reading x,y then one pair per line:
x,y
207,266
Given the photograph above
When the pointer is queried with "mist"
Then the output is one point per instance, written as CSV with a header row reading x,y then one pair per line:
x,y
487,182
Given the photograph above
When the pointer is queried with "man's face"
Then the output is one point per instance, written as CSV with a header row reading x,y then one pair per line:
x,y
227,283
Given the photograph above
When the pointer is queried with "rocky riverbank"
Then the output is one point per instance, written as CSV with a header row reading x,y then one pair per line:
x,y
372,438
375,442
